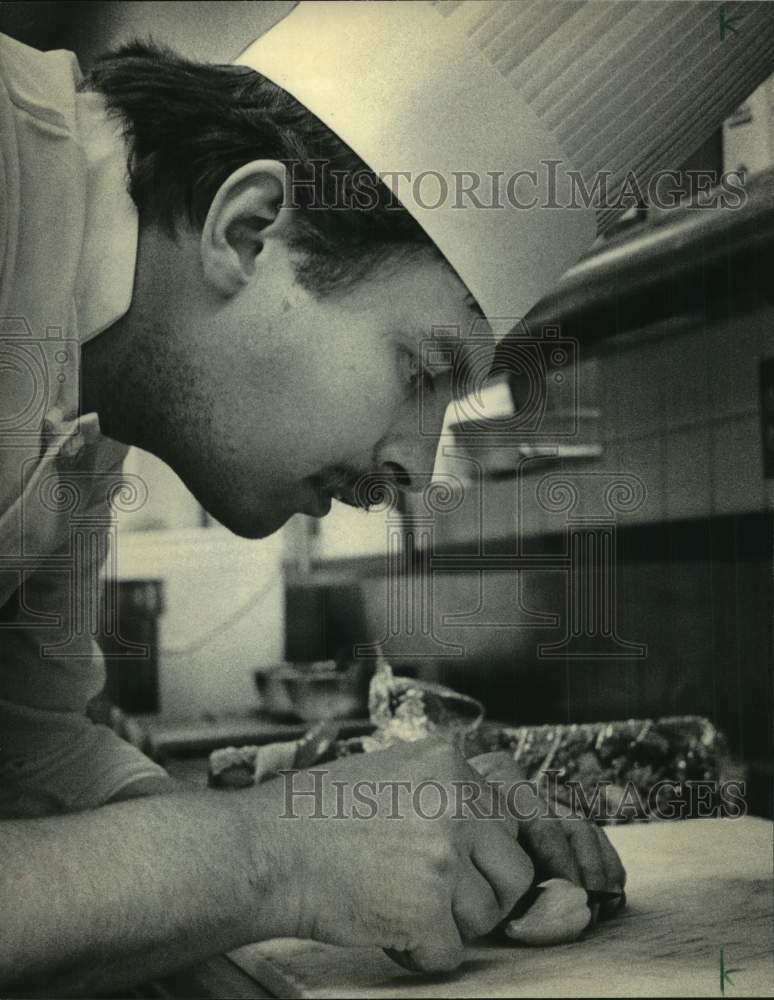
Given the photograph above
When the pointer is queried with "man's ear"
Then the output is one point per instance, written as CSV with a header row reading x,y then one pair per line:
x,y
246,210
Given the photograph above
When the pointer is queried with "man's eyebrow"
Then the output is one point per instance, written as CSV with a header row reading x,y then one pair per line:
x,y
464,363
466,368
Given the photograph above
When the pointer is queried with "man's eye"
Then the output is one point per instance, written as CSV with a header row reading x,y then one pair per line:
x,y
418,375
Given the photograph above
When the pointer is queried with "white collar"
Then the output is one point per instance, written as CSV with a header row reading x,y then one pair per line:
x,y
103,291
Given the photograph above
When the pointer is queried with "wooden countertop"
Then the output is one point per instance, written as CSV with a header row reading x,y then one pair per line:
x,y
694,887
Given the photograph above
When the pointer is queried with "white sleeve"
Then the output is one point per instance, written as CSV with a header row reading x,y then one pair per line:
x,y
52,757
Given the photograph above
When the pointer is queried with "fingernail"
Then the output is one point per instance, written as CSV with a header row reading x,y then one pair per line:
x,y
612,907
402,958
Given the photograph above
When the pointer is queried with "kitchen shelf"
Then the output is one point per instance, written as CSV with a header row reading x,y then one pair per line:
x,y
690,259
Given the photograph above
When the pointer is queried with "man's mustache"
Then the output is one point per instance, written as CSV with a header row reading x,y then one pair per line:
x,y
357,488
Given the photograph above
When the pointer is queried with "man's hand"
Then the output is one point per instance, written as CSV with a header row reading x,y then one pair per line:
x,y
363,865
560,845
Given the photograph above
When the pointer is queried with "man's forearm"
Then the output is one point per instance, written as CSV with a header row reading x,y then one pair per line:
x,y
99,900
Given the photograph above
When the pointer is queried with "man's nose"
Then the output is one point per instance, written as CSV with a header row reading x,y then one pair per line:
x,y
407,457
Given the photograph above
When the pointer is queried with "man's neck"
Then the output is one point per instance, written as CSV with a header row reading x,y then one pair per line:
x,y
113,382
100,371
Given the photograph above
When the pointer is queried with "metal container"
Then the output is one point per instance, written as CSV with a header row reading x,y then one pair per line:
x,y
314,691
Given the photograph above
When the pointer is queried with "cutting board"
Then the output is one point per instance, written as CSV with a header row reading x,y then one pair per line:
x,y
694,887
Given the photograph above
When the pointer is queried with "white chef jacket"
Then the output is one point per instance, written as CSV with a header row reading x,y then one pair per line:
x,y
68,243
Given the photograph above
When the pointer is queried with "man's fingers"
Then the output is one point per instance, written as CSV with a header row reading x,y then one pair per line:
x,y
497,765
616,878
566,847
615,873
546,841
442,954
587,850
476,907
501,862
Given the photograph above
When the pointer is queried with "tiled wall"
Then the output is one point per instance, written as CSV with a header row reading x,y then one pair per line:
x,y
683,412
677,406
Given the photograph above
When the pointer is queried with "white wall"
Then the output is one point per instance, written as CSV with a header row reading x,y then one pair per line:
x,y
219,588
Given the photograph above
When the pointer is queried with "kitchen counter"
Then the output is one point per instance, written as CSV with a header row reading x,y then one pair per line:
x,y
167,740
697,889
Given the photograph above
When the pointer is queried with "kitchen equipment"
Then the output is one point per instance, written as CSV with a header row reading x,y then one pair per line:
x,y
241,767
313,691
315,744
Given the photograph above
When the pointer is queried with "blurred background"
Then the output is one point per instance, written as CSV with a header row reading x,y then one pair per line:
x,y
652,366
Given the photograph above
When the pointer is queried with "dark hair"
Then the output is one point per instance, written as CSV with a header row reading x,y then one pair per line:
x,y
189,125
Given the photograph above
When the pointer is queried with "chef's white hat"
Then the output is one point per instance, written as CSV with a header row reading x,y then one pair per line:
x,y
462,106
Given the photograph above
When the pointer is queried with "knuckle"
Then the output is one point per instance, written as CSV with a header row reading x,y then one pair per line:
x,y
442,856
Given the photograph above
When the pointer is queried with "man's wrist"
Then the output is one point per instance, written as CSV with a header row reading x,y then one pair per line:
x,y
268,867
